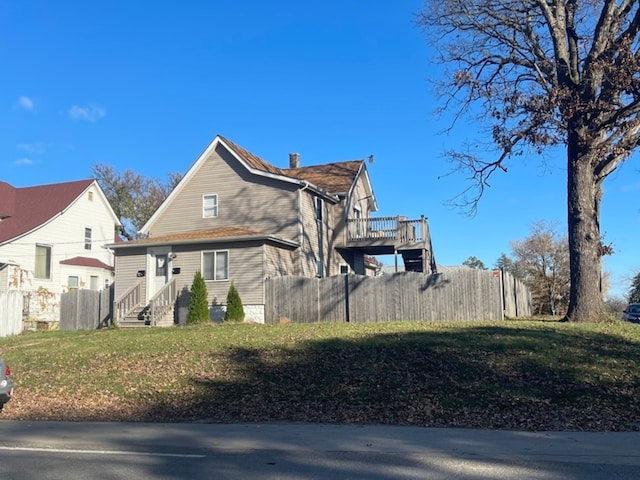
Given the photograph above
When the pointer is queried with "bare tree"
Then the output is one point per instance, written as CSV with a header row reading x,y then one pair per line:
x,y
543,259
133,197
543,73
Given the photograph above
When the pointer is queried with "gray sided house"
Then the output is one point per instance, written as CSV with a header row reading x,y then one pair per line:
x,y
235,217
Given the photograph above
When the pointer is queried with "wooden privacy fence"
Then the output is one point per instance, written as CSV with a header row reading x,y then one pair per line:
x,y
457,295
11,305
86,309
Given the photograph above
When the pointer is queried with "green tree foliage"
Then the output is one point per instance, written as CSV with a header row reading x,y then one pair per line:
x,y
537,75
507,264
634,293
198,304
133,197
235,310
474,262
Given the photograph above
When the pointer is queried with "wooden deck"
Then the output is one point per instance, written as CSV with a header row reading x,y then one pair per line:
x,y
391,235
387,234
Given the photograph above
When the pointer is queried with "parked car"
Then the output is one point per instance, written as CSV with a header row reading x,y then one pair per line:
x,y
632,313
6,385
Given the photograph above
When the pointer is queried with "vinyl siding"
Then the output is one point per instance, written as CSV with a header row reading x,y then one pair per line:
x,y
128,262
65,235
279,262
244,200
311,230
245,270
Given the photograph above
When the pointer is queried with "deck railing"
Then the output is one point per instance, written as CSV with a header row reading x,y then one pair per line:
x,y
163,302
398,229
128,302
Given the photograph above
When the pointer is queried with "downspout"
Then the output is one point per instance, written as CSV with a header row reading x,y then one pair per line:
x,y
301,224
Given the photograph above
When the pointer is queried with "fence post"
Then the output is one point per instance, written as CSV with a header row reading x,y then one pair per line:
x,y
346,298
502,293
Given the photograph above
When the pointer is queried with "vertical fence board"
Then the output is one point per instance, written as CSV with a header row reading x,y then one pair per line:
x,y
11,303
86,309
457,295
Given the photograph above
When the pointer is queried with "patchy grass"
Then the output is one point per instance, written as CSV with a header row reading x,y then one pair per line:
x,y
514,374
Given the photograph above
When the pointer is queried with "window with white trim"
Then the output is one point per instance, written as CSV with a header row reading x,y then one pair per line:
x,y
319,204
210,206
215,265
73,282
87,239
344,269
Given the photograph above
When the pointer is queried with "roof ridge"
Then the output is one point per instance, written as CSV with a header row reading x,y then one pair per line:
x,y
251,159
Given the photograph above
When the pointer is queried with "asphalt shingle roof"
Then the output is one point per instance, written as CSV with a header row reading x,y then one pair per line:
x,y
211,233
337,177
24,209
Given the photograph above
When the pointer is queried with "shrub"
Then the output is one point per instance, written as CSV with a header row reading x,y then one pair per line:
x,y
235,310
198,305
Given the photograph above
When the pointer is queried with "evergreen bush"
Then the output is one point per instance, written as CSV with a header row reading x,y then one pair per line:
x,y
198,304
235,310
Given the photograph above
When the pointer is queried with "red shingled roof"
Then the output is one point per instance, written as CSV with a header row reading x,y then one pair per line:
x,y
86,262
24,209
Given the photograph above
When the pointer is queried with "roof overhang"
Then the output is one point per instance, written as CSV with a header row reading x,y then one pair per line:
x,y
151,242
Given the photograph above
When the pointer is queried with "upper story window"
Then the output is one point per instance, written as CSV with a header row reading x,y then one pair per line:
x,y
209,206
319,270
215,265
87,239
43,261
319,204
90,196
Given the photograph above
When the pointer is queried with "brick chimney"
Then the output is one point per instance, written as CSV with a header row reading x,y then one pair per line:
x,y
294,160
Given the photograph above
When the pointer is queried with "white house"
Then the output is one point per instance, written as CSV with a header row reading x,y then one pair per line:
x,y
52,239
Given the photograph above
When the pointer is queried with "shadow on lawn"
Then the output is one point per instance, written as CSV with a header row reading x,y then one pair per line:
x,y
486,377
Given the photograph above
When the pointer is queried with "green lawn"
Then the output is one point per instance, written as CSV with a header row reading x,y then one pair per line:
x,y
528,375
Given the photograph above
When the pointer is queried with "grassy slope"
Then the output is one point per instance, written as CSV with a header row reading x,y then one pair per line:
x,y
522,375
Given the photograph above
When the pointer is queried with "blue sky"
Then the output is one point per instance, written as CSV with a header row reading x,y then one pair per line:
x,y
147,85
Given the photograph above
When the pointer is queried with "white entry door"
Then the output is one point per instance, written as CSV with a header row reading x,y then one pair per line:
x,y
158,272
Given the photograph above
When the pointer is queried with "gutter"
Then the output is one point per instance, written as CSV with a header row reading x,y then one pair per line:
x,y
244,238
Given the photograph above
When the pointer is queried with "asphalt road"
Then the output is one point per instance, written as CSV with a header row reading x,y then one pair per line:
x,y
61,450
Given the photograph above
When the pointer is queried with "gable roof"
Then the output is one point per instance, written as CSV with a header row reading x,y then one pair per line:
x,y
22,210
328,180
250,159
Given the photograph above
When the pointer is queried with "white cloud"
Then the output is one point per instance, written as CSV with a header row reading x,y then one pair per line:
x,y
25,103
37,148
23,161
90,113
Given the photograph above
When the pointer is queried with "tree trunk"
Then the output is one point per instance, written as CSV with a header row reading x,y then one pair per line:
x,y
583,202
